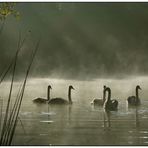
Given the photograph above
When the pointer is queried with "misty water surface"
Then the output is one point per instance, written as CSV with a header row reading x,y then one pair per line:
x,y
81,123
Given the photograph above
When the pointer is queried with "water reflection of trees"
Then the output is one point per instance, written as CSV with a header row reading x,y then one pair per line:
x,y
135,110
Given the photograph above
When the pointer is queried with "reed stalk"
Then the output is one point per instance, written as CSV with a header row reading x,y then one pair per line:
x,y
11,88
11,118
22,93
13,62
4,72
2,26
1,115
10,121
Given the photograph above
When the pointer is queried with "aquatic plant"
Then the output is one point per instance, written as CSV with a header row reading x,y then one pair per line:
x,y
11,116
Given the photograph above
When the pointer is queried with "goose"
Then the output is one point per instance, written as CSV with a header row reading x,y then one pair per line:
x,y
134,100
109,104
61,100
100,101
43,100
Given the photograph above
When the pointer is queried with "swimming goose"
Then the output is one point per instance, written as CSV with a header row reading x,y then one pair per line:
x,y
61,100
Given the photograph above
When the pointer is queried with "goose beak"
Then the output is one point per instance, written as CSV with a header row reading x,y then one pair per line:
x,y
140,88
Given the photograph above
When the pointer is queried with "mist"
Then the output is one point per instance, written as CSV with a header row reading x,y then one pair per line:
x,y
79,40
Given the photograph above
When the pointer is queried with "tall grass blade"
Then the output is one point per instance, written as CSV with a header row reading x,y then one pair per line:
x,y
11,88
22,93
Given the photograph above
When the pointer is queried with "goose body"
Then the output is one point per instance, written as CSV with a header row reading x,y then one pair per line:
x,y
40,100
61,100
100,101
58,101
43,100
110,104
134,100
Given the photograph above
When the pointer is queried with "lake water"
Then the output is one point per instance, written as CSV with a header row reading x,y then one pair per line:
x,y
80,123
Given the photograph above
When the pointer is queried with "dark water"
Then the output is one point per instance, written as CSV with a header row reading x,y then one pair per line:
x,y
81,123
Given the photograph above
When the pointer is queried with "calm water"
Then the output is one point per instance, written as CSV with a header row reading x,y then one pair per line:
x,y
81,123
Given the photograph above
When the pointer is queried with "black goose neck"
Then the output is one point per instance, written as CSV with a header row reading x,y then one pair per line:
x,y
48,93
109,93
69,95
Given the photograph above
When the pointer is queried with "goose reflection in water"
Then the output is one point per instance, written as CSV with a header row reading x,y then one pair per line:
x,y
137,126
69,114
106,120
135,135
137,122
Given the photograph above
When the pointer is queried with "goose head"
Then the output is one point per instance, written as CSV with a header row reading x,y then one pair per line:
x,y
138,87
49,87
71,87
104,87
107,89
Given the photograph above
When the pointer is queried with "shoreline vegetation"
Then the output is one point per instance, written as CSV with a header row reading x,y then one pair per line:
x,y
8,121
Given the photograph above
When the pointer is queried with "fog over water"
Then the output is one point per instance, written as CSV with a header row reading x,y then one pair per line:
x,y
79,40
